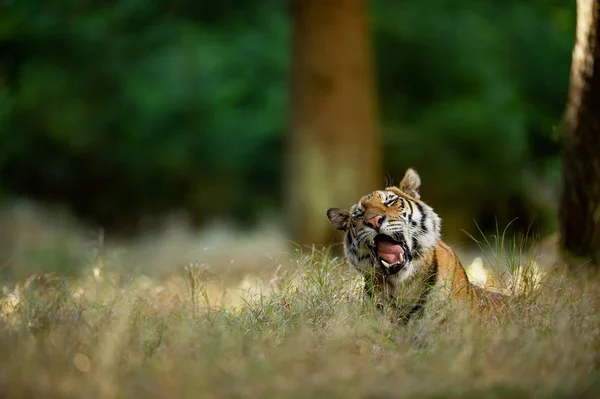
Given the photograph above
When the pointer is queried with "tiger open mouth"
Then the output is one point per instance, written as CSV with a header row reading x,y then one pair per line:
x,y
391,254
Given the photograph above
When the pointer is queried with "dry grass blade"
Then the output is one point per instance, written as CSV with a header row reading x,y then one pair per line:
x,y
304,332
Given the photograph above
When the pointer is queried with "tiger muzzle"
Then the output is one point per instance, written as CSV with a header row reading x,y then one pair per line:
x,y
391,254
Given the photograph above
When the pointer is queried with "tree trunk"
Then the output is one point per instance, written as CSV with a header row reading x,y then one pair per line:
x,y
333,146
580,202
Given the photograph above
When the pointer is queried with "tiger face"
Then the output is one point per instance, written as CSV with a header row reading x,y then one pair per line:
x,y
388,232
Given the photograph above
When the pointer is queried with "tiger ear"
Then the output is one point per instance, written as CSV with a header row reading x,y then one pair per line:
x,y
339,218
411,183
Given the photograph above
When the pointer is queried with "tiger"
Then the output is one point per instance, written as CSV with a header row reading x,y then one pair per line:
x,y
393,239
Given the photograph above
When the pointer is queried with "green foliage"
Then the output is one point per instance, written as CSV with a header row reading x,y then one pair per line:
x,y
138,107
475,90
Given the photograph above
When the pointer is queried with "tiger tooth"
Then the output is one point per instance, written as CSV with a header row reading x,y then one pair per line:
x,y
386,264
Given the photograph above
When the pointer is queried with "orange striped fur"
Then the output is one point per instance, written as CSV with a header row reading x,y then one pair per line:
x,y
394,224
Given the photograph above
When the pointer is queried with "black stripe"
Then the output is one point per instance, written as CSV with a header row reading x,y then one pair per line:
x,y
352,245
412,211
459,266
349,240
422,210
363,257
369,289
429,283
416,248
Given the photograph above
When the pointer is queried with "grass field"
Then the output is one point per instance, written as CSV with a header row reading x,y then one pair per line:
x,y
298,330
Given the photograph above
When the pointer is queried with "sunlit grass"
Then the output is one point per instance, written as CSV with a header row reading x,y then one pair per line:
x,y
140,322
303,331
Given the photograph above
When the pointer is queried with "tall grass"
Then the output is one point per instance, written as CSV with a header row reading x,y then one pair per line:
x,y
136,321
303,332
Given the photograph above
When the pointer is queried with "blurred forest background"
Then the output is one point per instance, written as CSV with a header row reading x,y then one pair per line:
x,y
124,112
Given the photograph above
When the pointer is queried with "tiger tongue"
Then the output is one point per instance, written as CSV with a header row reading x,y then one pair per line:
x,y
390,252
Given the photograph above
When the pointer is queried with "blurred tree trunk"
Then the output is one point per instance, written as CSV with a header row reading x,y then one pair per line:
x,y
580,202
333,147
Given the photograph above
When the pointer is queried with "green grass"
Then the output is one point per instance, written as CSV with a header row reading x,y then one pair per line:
x,y
303,332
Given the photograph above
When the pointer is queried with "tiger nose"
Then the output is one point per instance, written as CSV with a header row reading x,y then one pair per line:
x,y
375,222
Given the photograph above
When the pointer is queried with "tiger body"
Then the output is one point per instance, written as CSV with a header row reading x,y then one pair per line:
x,y
394,239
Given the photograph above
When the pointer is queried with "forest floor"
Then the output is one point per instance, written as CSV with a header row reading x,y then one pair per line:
x,y
140,321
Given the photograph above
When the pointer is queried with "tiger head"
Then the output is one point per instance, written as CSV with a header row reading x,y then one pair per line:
x,y
389,231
